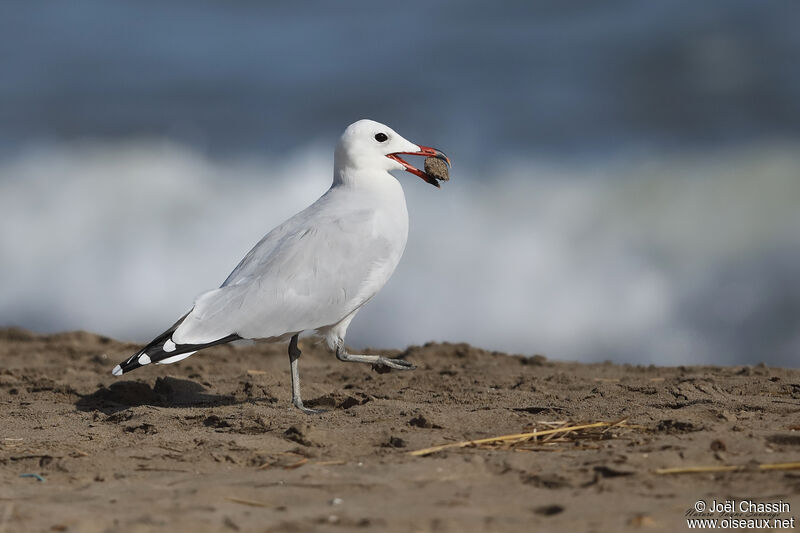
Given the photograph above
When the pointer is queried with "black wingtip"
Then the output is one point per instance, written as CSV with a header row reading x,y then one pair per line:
x,y
154,352
132,363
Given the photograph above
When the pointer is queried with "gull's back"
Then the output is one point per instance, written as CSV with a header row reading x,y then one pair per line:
x,y
310,272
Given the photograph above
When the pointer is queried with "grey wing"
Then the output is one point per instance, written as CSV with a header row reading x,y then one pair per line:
x,y
306,274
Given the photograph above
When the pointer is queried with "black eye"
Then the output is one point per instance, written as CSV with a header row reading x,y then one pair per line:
x,y
380,137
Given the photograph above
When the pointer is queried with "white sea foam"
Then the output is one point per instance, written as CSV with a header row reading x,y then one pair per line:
x,y
669,260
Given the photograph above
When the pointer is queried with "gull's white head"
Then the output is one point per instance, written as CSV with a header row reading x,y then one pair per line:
x,y
367,145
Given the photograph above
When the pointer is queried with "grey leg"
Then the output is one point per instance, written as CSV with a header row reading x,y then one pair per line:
x,y
294,355
378,361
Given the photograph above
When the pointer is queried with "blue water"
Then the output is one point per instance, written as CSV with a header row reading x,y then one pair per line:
x,y
625,183
521,77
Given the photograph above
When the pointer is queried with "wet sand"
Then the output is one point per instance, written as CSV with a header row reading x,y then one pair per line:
x,y
212,444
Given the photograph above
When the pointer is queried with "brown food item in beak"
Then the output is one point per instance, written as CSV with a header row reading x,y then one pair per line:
x,y
436,168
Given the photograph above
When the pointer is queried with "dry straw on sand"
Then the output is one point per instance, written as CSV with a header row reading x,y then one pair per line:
x,y
562,432
729,468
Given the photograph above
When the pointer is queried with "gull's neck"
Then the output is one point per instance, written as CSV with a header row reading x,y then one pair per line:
x,y
366,179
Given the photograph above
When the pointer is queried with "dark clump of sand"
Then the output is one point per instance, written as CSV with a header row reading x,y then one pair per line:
x,y
212,444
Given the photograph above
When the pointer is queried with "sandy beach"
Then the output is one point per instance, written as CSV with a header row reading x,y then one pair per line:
x,y
212,444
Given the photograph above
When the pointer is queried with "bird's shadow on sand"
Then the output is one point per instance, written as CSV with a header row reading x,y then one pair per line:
x,y
167,392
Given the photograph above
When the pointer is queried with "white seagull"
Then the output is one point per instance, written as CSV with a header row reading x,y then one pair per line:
x,y
314,271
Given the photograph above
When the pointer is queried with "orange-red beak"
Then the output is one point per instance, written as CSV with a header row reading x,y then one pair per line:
x,y
425,151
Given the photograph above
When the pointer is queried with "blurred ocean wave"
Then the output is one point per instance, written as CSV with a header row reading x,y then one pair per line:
x,y
670,259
